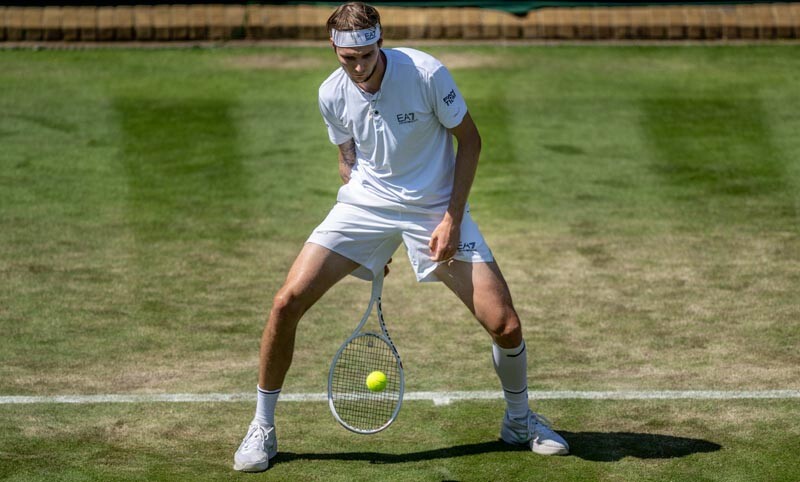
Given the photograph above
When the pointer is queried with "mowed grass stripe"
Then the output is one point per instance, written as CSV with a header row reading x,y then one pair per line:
x,y
183,166
717,145
714,151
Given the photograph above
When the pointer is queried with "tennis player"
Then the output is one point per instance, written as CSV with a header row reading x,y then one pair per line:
x,y
393,114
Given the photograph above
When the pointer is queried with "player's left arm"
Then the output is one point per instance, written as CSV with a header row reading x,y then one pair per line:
x,y
446,236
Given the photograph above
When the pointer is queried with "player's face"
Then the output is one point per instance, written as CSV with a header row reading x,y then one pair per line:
x,y
359,62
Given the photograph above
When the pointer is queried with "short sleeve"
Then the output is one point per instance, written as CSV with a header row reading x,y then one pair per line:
x,y
337,132
449,104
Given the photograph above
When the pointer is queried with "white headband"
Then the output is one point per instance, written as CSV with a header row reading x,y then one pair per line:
x,y
356,38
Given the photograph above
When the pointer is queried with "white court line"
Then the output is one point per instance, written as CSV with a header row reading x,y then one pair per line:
x,y
438,398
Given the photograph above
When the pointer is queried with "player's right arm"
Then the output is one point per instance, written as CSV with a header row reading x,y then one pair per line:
x,y
347,159
331,105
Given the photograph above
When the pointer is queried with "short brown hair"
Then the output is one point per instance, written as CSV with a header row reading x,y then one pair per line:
x,y
353,16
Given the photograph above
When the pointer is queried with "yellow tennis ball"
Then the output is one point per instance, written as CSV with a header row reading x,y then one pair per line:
x,y
376,381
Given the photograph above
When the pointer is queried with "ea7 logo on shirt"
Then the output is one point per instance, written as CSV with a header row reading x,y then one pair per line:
x,y
406,118
462,247
450,98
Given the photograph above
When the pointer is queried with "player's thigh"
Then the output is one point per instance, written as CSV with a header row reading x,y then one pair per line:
x,y
481,287
315,270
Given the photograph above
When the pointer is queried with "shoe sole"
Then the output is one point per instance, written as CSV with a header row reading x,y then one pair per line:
x,y
547,450
539,449
260,467
251,467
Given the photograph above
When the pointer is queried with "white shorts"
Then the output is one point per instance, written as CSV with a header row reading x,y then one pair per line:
x,y
369,236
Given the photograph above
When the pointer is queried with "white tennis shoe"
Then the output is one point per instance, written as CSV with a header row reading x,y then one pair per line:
x,y
258,446
533,430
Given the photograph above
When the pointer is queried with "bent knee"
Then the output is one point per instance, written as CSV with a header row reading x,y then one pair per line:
x,y
288,305
507,331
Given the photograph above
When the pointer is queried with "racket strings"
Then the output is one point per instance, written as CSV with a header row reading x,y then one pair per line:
x,y
356,405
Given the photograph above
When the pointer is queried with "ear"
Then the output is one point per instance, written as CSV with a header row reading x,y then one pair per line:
x,y
380,42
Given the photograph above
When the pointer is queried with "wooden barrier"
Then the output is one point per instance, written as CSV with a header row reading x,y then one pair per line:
x,y
226,22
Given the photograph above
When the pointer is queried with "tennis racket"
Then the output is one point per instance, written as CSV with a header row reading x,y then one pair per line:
x,y
352,403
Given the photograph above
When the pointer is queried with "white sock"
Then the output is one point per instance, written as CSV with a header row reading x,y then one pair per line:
x,y
511,365
265,406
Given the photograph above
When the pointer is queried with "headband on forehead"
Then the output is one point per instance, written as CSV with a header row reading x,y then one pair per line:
x,y
356,38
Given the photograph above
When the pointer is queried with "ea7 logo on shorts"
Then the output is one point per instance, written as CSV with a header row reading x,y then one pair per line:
x,y
406,118
450,98
465,247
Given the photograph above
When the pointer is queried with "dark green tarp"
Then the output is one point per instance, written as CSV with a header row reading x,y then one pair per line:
x,y
523,7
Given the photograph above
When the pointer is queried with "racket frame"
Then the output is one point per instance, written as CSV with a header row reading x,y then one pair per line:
x,y
375,299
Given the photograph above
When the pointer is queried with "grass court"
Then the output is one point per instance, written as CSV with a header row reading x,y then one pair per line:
x,y
642,201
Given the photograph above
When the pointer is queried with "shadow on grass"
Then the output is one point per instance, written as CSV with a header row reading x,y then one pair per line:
x,y
384,458
594,446
613,446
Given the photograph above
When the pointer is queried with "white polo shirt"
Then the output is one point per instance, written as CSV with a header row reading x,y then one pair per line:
x,y
404,153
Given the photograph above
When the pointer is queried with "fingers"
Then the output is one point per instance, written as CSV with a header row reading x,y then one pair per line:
x,y
439,251
432,244
445,253
443,257
444,241
386,267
